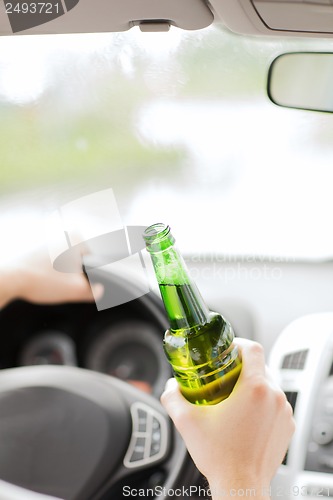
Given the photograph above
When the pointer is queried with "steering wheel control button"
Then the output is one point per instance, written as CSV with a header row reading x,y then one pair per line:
x,y
142,421
139,450
149,439
323,433
156,438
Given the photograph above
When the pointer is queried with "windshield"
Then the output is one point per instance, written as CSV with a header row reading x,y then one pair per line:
x,y
179,125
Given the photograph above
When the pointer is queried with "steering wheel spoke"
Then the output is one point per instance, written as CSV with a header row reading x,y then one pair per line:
x,y
88,431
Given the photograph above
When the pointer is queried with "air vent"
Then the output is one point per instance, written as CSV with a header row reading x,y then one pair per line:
x,y
295,360
292,398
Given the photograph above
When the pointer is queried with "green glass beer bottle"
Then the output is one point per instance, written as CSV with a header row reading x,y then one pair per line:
x,y
199,343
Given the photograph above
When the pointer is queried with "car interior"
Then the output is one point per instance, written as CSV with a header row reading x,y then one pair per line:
x,y
213,117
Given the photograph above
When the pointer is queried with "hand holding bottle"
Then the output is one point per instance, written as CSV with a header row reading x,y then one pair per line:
x,y
239,443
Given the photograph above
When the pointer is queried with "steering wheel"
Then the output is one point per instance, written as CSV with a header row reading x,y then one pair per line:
x,y
76,434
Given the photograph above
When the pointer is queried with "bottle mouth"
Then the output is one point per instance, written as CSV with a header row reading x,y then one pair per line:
x,y
158,237
155,231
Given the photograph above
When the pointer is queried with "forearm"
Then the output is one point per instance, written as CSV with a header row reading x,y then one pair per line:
x,y
10,285
35,280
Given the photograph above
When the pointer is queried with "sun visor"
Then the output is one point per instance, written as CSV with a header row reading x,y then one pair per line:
x,y
93,16
302,16
306,18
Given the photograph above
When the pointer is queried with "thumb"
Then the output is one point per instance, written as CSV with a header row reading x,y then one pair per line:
x,y
175,404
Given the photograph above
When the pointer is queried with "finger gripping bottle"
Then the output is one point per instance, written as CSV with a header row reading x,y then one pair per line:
x,y
199,343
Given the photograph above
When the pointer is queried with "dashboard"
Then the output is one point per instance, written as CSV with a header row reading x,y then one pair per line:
x,y
126,342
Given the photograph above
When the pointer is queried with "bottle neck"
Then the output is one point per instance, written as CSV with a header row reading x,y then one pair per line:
x,y
183,303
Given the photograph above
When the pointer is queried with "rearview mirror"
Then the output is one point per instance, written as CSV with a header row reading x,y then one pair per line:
x,y
303,81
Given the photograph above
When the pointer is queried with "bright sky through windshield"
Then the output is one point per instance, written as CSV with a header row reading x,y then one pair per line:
x,y
25,66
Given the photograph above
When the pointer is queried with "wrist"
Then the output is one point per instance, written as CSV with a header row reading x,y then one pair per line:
x,y
239,488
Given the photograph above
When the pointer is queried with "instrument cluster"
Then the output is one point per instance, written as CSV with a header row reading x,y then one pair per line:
x,y
124,342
